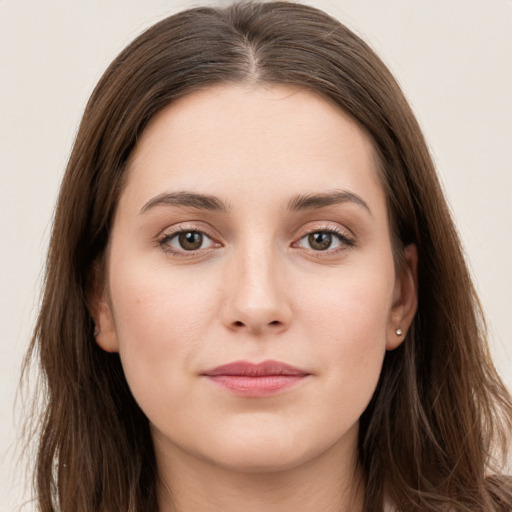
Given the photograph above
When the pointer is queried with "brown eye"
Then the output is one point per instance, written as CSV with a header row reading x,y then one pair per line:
x,y
190,240
325,240
320,241
187,241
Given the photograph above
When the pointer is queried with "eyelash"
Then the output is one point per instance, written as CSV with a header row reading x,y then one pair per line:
x,y
346,242
164,240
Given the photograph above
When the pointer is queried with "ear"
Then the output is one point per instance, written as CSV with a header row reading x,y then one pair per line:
x,y
98,302
405,299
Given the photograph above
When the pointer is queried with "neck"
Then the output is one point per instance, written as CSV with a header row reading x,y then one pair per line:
x,y
331,482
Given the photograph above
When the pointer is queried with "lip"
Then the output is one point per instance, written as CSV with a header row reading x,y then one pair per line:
x,y
256,380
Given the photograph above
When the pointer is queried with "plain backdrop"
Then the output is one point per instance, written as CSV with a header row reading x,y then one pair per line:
x,y
453,59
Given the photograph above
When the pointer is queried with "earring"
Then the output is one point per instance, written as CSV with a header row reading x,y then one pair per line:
x,y
399,332
97,331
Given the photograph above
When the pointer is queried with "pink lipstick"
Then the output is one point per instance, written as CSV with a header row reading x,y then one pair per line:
x,y
256,380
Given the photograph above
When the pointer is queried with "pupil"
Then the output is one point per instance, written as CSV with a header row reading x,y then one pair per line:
x,y
320,241
191,240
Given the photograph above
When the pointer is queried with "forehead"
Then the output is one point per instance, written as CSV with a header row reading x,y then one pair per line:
x,y
255,141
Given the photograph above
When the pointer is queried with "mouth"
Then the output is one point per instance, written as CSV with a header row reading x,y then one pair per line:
x,y
256,380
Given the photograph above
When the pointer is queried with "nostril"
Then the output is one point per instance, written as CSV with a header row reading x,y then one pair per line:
x,y
238,323
275,322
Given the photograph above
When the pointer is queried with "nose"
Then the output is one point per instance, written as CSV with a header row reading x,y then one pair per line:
x,y
257,295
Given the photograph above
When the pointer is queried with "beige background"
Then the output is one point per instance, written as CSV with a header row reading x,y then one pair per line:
x,y
452,57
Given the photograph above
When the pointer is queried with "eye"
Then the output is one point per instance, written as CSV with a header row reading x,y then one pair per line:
x,y
324,240
186,241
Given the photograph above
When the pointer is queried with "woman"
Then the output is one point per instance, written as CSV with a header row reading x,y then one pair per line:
x,y
255,294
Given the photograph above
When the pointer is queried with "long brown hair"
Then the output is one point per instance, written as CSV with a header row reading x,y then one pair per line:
x,y
431,436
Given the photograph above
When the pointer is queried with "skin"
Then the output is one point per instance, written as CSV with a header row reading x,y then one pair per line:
x,y
256,289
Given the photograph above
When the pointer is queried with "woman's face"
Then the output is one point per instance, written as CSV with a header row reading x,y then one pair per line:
x,y
252,229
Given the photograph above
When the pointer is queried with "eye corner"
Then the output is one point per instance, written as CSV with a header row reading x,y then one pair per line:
x,y
175,242
330,235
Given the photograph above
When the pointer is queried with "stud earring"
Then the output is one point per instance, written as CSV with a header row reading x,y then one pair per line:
x,y
399,332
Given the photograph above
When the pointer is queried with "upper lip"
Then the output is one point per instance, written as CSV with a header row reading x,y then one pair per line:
x,y
248,369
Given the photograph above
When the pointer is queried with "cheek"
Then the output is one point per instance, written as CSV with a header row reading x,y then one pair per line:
x,y
352,305
348,323
160,320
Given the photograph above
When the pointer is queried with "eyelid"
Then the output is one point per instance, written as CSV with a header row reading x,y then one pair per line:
x,y
345,236
170,232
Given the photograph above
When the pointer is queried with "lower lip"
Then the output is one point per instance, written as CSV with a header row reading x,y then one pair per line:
x,y
256,386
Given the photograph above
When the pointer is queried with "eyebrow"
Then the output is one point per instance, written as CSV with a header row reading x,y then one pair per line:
x,y
314,201
213,203
187,199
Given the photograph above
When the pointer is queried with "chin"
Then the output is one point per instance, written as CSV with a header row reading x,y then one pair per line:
x,y
272,452
269,459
